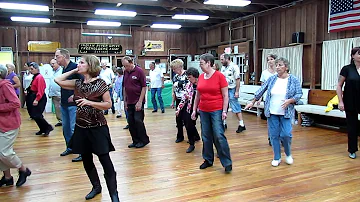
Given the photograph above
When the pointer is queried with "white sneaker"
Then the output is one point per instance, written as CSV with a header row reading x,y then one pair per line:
x,y
275,163
289,160
352,155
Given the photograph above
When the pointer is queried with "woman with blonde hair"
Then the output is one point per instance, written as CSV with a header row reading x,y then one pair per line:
x,y
91,134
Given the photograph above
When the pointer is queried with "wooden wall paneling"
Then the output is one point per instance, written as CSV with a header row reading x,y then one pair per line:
x,y
318,64
283,28
313,48
304,22
306,66
269,32
256,51
272,24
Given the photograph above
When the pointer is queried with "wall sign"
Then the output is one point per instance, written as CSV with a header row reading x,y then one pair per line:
x,y
102,48
43,46
154,45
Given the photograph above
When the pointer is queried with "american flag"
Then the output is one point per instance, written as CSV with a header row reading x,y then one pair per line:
x,y
344,15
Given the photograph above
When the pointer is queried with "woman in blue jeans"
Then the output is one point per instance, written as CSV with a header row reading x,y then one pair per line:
x,y
283,91
212,100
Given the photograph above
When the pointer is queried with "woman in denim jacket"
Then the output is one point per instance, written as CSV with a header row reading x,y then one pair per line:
x,y
283,91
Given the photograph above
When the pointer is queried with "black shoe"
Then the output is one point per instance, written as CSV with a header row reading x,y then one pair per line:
x,y
132,145
113,111
228,169
205,165
6,182
118,116
39,133
225,126
269,142
22,177
48,131
126,127
95,181
112,187
190,149
140,145
240,129
58,124
66,152
179,140
77,159
106,113
153,111
163,111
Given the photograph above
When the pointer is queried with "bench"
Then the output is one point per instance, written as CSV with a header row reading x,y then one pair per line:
x,y
247,94
317,104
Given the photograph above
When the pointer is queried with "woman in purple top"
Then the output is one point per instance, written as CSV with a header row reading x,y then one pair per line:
x,y
14,79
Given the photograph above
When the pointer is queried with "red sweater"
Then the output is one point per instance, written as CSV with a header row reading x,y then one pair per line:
x,y
38,86
9,107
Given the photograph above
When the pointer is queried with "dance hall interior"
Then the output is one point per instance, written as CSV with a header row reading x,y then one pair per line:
x,y
179,100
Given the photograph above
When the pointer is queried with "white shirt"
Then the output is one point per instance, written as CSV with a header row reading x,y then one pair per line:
x,y
231,73
107,75
27,78
55,89
265,75
278,95
155,78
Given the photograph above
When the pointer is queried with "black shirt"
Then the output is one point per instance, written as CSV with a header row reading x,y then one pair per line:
x,y
65,94
351,96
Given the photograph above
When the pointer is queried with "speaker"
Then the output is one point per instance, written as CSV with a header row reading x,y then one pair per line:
x,y
298,37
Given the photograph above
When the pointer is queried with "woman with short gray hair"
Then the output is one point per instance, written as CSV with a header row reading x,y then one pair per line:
x,y
13,78
9,129
283,91
36,100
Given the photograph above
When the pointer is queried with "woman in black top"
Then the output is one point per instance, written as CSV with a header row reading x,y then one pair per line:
x,y
91,134
349,101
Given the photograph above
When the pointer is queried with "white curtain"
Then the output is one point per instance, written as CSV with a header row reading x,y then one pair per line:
x,y
335,55
356,42
294,54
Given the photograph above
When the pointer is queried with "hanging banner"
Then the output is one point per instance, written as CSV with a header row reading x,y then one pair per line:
x,y
154,45
43,46
102,48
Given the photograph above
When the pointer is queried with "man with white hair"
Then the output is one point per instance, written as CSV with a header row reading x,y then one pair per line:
x,y
55,91
108,76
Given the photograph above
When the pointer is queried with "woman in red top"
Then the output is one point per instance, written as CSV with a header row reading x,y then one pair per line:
x,y
36,100
212,100
9,129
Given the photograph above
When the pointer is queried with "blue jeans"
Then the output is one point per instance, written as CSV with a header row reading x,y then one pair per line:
x,y
280,129
233,101
153,100
212,132
68,114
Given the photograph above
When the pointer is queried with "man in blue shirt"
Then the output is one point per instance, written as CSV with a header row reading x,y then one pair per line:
x,y
68,106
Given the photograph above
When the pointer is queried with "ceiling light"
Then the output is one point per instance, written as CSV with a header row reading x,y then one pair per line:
x,y
104,23
118,5
115,13
241,3
30,19
30,7
190,17
106,34
166,26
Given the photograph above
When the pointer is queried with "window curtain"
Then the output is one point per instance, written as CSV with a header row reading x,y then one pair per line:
x,y
356,42
335,55
294,54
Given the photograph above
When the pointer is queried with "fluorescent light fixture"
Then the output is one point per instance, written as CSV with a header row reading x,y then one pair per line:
x,y
118,5
240,3
30,19
103,23
166,26
30,7
115,13
106,34
190,17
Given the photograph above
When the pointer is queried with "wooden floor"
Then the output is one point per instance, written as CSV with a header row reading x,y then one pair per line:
x,y
162,171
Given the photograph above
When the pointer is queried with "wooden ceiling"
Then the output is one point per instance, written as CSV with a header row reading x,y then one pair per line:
x,y
148,11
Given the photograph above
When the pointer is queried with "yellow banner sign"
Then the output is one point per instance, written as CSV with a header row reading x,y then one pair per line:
x,y
154,45
43,46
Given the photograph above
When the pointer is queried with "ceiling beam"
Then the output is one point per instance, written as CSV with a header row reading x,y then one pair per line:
x,y
164,3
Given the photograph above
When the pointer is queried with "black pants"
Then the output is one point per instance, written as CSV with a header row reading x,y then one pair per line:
x,y
353,131
190,126
36,112
136,124
112,101
105,161
179,122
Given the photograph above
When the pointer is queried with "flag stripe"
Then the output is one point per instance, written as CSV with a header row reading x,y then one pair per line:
x,y
346,15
